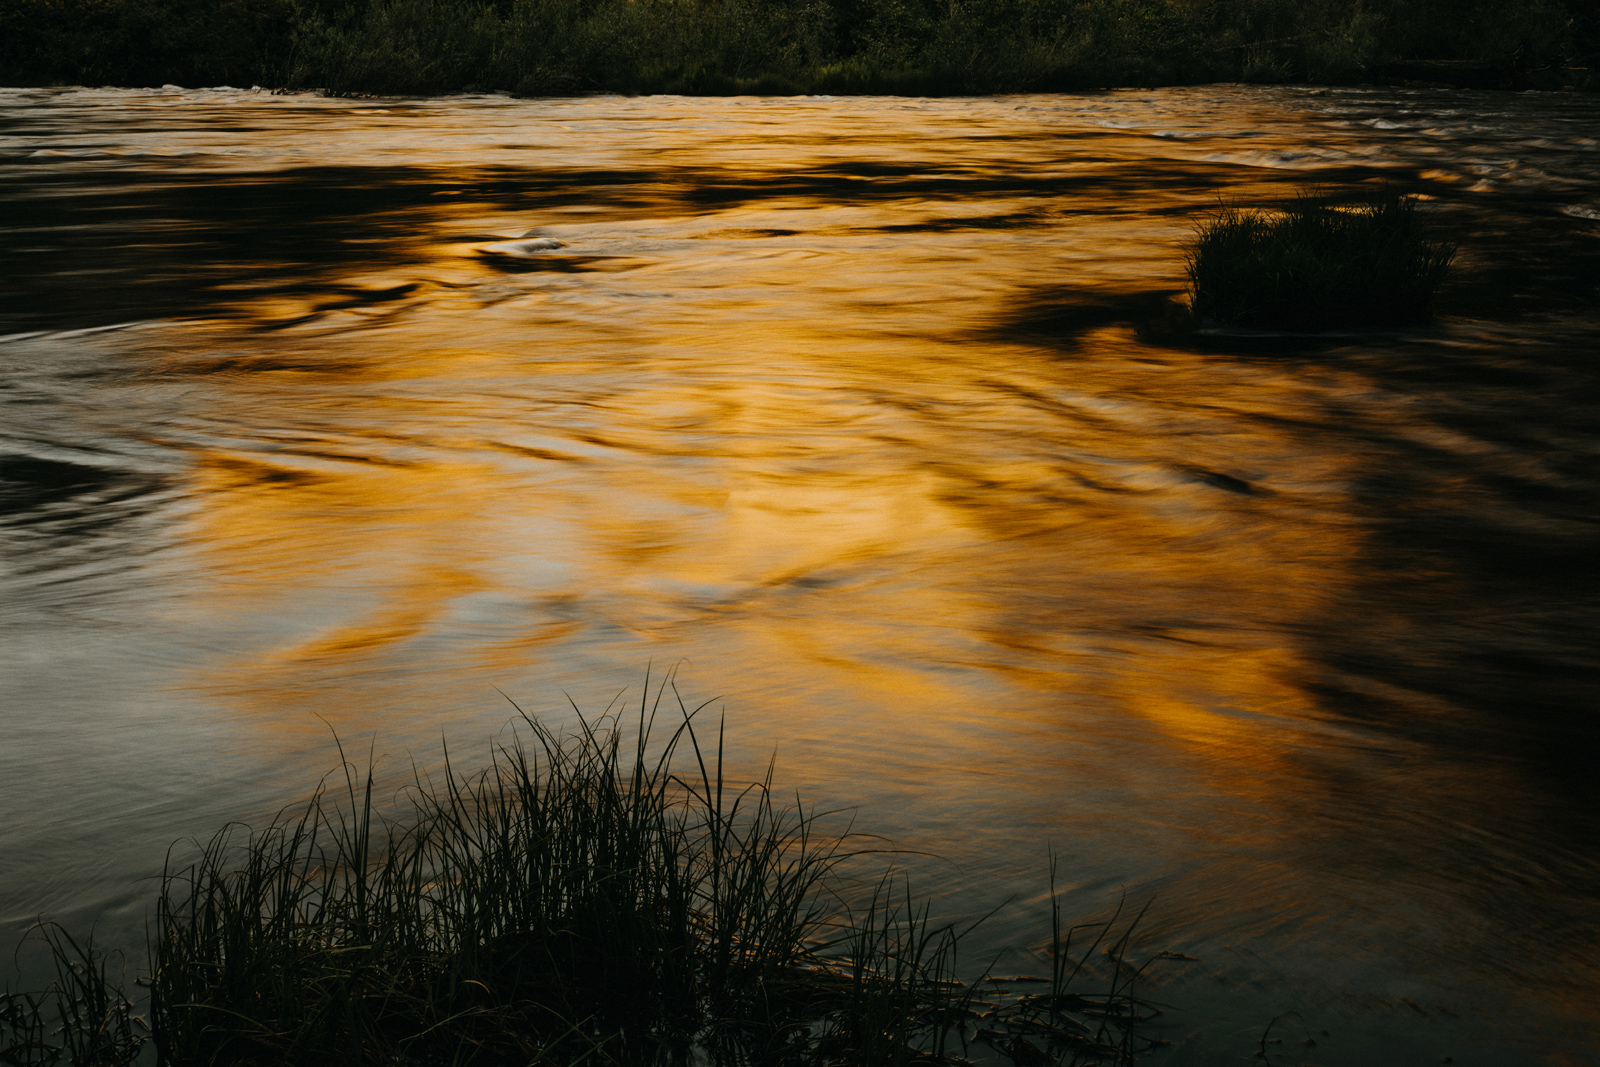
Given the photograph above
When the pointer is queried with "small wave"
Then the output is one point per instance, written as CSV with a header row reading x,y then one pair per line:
x,y
68,153
525,246
1282,160
1582,211
9,338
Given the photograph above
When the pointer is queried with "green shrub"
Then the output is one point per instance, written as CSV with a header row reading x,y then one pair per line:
x,y
1316,265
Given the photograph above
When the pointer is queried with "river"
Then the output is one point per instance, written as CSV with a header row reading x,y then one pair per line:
x,y
329,416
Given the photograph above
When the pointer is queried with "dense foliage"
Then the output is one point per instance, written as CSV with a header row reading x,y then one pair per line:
x,y
923,46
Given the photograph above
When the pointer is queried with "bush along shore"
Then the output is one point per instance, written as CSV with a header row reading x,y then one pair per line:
x,y
582,899
1319,263
544,47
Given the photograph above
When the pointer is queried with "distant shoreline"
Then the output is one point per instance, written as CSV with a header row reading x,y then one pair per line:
x,y
794,47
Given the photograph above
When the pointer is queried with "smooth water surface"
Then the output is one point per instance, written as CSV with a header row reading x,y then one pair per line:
x,y
872,418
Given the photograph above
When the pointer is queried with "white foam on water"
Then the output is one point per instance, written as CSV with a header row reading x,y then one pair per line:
x,y
526,247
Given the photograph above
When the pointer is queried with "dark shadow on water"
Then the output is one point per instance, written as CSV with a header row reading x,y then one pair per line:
x,y
1481,571
1522,259
115,246
1059,316
28,482
548,264
134,246
1011,221
56,515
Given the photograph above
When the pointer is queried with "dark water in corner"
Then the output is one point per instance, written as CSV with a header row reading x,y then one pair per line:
x,y
852,409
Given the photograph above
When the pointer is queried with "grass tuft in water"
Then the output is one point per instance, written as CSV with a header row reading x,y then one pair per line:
x,y
1317,264
576,899
1066,1027
592,896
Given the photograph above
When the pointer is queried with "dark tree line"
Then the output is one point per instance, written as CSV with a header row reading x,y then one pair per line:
x,y
559,46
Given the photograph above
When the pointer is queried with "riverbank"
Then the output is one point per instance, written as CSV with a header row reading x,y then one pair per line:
x,y
777,47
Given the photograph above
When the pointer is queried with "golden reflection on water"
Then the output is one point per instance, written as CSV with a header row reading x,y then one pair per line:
x,y
815,474
1005,580
779,434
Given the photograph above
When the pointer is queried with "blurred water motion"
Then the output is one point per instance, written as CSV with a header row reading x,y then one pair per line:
x,y
323,413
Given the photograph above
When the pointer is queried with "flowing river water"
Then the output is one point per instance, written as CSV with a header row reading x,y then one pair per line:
x,y
866,416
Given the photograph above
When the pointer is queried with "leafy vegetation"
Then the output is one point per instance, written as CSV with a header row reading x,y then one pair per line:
x,y
777,46
582,899
1317,264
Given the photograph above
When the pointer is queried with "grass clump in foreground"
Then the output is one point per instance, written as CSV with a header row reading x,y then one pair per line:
x,y
579,900
1318,264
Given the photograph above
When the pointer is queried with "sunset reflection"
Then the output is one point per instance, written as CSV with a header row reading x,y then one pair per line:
x,y
868,418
